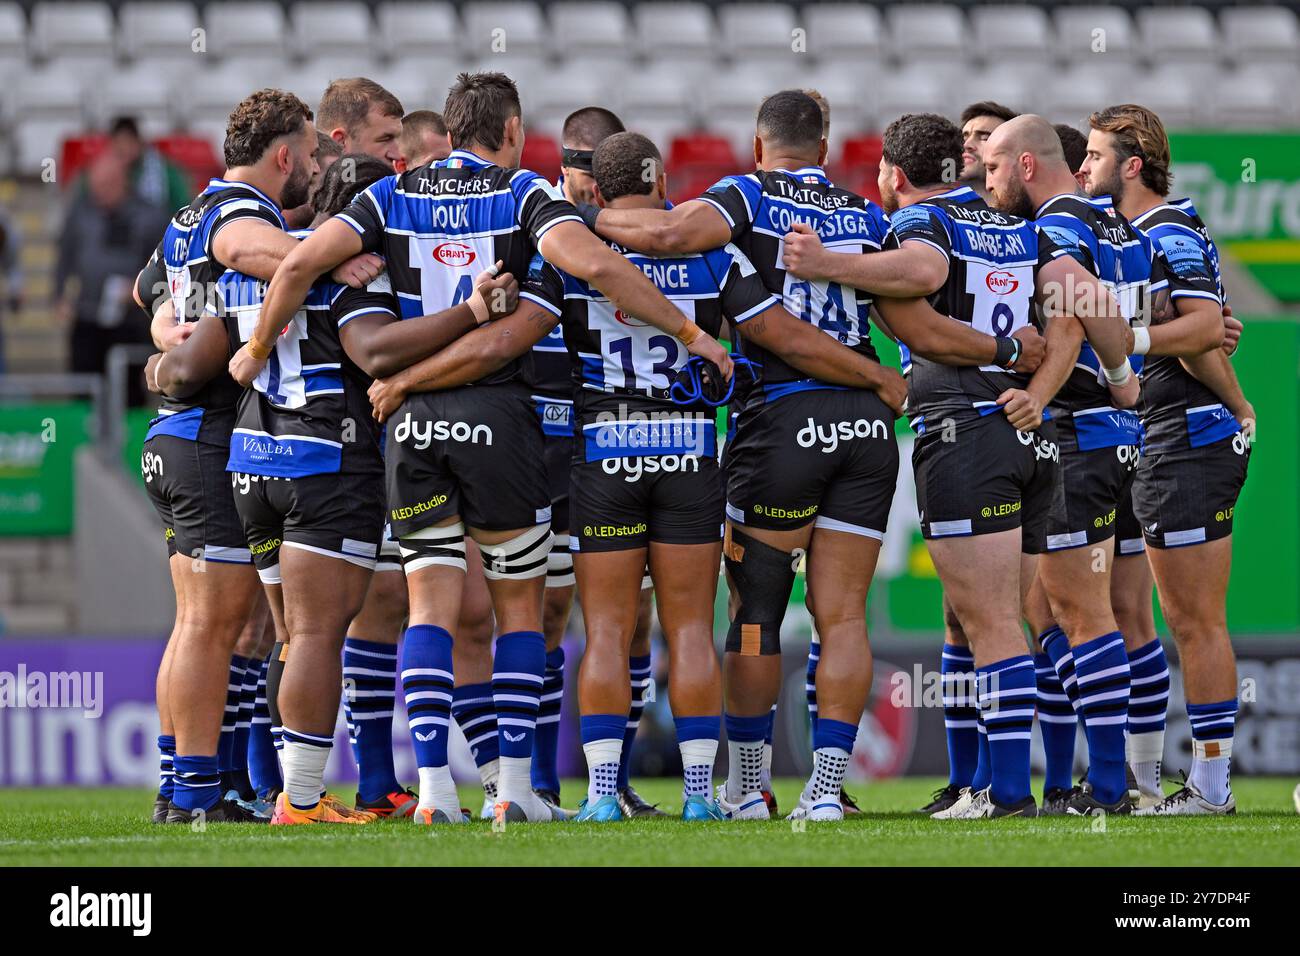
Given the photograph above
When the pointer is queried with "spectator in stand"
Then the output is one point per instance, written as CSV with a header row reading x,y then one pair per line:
x,y
10,254
108,230
153,177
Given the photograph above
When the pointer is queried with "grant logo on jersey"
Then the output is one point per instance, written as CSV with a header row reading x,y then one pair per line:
x,y
457,255
622,318
1001,282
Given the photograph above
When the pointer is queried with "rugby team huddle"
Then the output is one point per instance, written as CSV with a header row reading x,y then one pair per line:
x,y
426,394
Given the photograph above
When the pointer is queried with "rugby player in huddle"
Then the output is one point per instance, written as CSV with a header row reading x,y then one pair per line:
x,y
1198,428
235,222
1069,607
306,465
771,253
583,131
469,457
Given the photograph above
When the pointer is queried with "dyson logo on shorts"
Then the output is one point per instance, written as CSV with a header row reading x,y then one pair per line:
x,y
831,434
425,433
633,468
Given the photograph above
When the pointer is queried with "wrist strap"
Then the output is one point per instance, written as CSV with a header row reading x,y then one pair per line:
x,y
1141,340
478,305
688,333
1118,376
257,349
1008,351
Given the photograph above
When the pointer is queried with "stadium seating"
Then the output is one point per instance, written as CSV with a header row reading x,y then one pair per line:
x,y
590,30
157,32
1253,34
331,28
843,32
668,67
1086,32
417,30
1012,33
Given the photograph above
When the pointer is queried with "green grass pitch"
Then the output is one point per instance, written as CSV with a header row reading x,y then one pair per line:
x,y
108,827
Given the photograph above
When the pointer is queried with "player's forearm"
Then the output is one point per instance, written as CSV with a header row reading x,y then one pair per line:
x,y
385,349
481,352
628,288
647,230
184,370
257,253
450,368
901,273
811,351
936,337
1064,337
163,321
1197,329
1214,370
284,296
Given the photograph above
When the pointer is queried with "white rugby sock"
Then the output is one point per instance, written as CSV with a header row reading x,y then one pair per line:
x,y
829,765
438,790
1211,778
1144,754
744,768
602,767
697,766
304,768
515,779
489,773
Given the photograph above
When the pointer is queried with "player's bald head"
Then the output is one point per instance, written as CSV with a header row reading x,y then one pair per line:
x,y
1027,133
1024,165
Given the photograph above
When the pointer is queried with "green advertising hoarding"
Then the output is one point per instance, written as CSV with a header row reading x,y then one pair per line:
x,y
1264,595
1246,186
37,445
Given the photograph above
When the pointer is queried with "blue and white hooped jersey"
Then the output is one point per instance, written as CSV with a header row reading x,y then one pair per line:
x,y
439,225
761,207
1177,410
623,368
1108,246
307,412
993,262
192,269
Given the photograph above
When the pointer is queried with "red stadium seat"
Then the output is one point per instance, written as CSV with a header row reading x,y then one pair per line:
x,y
194,154
859,166
701,149
691,181
696,161
861,151
76,154
541,155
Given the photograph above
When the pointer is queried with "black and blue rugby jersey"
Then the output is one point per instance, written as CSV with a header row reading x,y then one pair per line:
x,y
993,262
1177,410
546,372
192,273
1108,246
760,207
623,368
307,412
439,225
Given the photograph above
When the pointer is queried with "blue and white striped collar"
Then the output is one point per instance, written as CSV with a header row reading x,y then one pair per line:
x,y
220,183
957,193
1039,211
804,171
463,157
